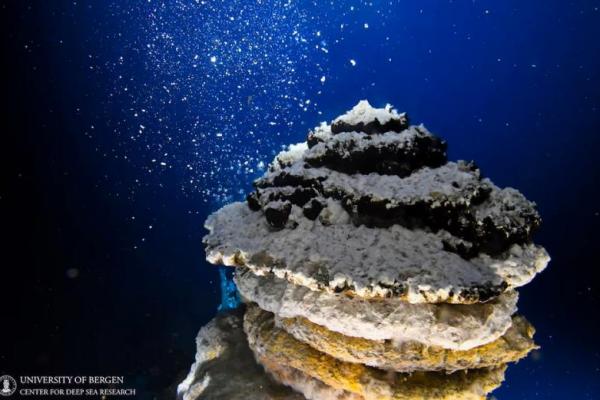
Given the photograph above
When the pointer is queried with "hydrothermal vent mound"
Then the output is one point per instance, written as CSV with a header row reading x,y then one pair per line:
x,y
372,268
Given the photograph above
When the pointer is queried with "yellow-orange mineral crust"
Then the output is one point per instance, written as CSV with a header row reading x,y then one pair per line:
x,y
516,343
311,388
273,345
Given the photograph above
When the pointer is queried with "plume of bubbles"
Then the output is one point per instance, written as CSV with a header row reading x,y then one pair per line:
x,y
202,94
209,88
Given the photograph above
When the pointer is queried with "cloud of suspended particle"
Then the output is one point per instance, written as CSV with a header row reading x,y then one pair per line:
x,y
206,91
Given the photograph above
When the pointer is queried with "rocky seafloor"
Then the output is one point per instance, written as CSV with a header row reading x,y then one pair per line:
x,y
371,267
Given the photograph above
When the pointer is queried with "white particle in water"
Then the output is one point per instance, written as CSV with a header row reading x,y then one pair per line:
x,y
72,273
246,81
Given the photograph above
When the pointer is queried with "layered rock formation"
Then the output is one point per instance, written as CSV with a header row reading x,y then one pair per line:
x,y
374,268
225,369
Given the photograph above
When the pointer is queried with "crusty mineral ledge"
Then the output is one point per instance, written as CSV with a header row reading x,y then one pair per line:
x,y
225,368
311,388
278,347
364,118
451,326
412,356
390,153
452,197
332,254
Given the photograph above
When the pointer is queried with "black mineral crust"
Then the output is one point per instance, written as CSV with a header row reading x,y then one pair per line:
x,y
350,158
483,219
372,127
278,214
313,209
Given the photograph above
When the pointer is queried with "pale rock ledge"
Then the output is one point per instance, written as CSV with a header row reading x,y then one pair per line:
x,y
450,326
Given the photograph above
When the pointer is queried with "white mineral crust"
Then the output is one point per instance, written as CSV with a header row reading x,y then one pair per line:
x,y
451,326
359,141
364,112
424,184
367,261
